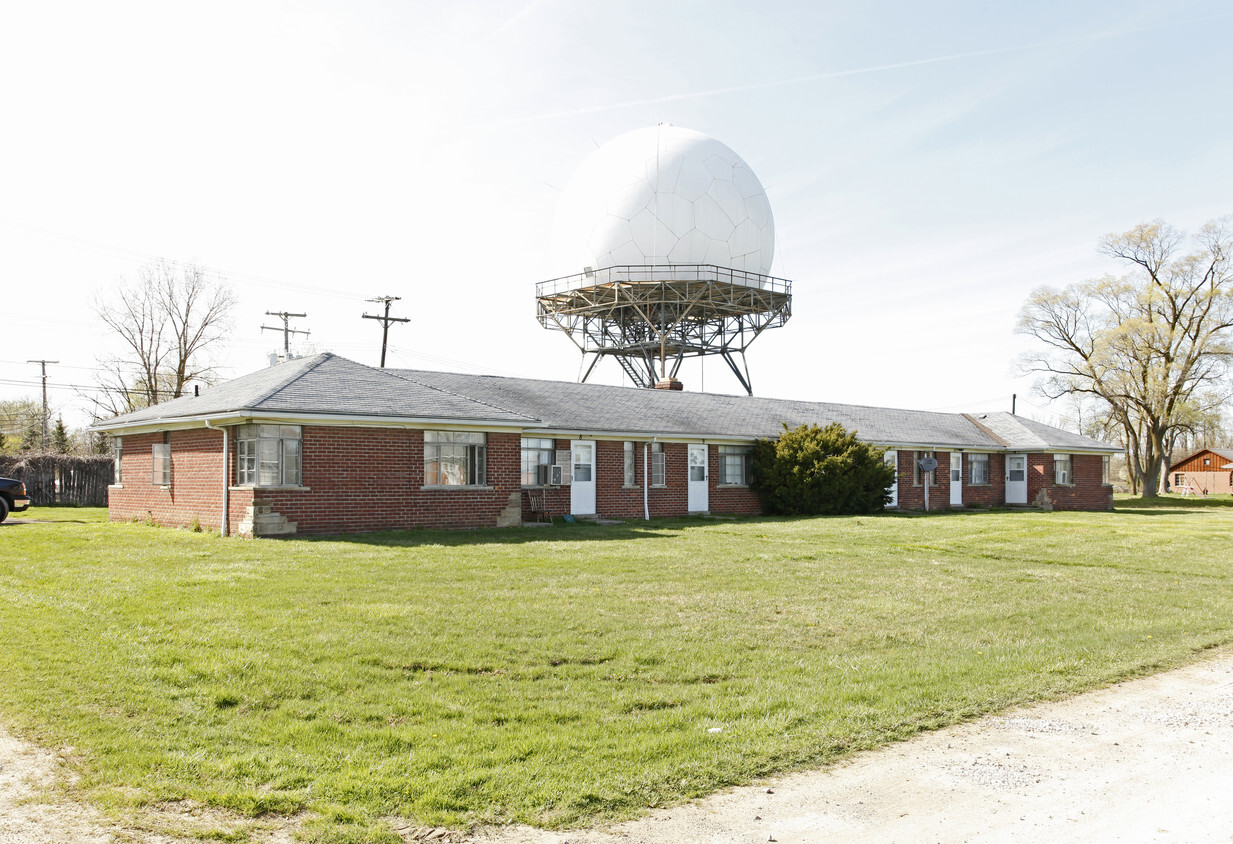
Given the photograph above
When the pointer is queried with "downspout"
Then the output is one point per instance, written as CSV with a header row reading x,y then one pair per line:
x,y
646,507
225,526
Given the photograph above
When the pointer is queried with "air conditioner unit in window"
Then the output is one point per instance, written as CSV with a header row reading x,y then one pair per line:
x,y
560,475
543,474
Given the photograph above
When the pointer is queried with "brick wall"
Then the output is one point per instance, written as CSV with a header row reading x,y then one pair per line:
x,y
1086,492
364,479
196,480
354,480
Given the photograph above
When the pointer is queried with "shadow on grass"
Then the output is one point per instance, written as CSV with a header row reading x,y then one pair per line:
x,y
1170,505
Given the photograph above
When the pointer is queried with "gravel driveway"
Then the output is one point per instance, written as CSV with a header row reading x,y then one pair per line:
x,y
1145,760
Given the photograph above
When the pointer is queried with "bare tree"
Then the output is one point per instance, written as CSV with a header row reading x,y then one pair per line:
x,y
167,320
1153,345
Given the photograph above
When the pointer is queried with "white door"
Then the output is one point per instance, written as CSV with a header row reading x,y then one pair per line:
x,y
1016,479
582,486
892,459
699,500
956,479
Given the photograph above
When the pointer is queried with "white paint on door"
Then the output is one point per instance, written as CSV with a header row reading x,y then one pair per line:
x,y
699,497
582,486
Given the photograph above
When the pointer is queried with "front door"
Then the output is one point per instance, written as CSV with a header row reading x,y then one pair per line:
x,y
582,484
956,479
1016,479
699,500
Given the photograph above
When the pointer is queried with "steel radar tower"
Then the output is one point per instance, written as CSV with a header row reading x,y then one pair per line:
x,y
670,237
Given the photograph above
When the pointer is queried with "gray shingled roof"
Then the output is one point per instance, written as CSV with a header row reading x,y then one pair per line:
x,y
325,384
330,386
598,408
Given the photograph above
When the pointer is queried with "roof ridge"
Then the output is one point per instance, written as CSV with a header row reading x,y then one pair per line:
x,y
291,379
986,429
397,373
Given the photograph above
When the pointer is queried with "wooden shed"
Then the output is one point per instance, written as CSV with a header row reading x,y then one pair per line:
x,y
1208,471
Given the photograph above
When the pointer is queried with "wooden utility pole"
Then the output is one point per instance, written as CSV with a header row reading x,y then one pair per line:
x,y
287,330
43,363
385,321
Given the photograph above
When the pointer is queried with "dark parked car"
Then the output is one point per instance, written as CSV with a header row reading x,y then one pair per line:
x,y
12,497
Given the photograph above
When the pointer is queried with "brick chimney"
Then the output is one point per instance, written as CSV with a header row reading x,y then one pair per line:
x,y
669,384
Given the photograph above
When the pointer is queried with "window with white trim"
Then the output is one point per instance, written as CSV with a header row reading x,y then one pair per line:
x,y
268,455
978,469
1104,469
631,463
536,452
455,458
161,460
117,452
659,467
1062,474
734,463
930,477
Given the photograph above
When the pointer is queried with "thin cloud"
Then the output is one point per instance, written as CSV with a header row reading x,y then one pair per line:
x,y
835,74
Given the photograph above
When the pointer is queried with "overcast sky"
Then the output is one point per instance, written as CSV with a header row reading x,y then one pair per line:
x,y
928,165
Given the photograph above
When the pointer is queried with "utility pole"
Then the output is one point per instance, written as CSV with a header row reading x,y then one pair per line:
x,y
385,321
43,363
287,330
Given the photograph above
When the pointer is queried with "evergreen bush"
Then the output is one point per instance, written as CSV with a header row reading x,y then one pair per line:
x,y
827,471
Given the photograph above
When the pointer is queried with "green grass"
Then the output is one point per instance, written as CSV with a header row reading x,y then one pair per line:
x,y
565,675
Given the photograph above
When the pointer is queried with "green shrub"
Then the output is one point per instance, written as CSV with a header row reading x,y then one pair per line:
x,y
820,471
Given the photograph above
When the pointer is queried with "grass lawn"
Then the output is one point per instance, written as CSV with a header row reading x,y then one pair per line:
x,y
565,675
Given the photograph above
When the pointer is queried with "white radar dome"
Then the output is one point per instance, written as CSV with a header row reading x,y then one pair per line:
x,y
663,195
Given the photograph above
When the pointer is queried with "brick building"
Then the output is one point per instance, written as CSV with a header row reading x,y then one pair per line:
x,y
327,445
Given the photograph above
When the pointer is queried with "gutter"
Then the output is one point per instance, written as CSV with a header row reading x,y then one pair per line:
x,y
224,523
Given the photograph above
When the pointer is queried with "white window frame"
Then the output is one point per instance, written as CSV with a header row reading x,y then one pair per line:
x,y
978,461
1063,470
659,466
536,452
117,456
160,464
269,456
631,463
734,464
455,459
1104,469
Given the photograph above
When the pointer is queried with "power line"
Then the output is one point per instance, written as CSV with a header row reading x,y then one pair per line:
x,y
43,364
287,330
385,321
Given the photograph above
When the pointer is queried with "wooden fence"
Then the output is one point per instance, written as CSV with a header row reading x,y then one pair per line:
x,y
61,478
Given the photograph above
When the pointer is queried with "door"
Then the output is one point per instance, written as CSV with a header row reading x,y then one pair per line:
x,y
956,479
699,500
1016,479
582,485
891,459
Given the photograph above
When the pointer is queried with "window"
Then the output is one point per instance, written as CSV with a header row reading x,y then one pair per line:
x,y
930,477
1062,475
734,464
162,464
631,464
978,469
1179,480
659,473
1104,470
583,461
536,452
268,455
117,450
455,458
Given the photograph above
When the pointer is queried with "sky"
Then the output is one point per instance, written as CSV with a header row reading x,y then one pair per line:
x,y
928,165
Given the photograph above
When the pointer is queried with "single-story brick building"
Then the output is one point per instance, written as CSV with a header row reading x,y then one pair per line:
x,y
327,445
